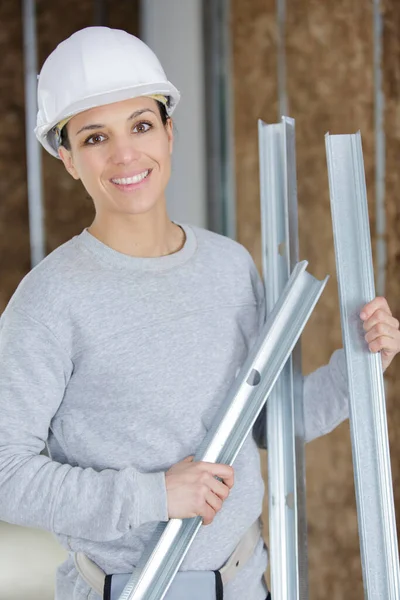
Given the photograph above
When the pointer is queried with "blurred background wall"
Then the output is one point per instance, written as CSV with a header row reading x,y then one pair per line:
x,y
329,48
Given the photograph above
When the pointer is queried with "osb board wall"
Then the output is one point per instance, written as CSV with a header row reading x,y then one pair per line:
x,y
329,49
67,208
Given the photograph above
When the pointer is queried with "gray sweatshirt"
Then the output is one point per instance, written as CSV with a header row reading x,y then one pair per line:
x,y
120,364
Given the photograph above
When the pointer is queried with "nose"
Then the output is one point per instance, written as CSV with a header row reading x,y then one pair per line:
x,y
124,151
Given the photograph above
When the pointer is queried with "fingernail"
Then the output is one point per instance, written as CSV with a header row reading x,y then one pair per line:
x,y
363,315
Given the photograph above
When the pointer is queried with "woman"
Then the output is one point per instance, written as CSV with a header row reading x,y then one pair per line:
x,y
118,347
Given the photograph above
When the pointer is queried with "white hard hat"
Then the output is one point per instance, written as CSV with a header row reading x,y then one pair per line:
x,y
93,67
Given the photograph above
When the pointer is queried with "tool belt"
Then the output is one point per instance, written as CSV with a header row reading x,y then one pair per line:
x,y
203,585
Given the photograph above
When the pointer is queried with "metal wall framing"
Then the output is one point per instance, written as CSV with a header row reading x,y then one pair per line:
x,y
283,107
219,117
368,425
232,424
285,418
33,149
380,149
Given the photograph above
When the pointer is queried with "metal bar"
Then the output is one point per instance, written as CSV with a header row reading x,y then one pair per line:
x,y
285,418
33,149
368,425
228,111
219,102
380,149
283,108
100,13
231,426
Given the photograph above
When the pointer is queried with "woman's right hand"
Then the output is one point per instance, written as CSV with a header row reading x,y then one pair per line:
x,y
193,490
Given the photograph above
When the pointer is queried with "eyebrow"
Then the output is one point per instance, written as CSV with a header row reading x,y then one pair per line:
x,y
134,115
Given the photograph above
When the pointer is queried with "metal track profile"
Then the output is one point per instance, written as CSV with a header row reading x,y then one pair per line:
x,y
285,417
281,11
380,150
232,424
219,133
368,424
33,148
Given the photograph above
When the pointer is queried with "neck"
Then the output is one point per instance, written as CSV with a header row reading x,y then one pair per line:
x,y
145,236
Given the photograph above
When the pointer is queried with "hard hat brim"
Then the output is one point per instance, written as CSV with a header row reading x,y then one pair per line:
x,y
47,137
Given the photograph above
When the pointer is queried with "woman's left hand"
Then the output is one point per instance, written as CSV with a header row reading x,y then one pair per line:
x,y
382,330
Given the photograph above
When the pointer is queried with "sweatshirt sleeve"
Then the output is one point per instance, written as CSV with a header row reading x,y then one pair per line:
x,y
325,390
326,400
36,491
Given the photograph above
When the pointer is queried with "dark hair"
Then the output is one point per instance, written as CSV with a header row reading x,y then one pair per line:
x,y
64,139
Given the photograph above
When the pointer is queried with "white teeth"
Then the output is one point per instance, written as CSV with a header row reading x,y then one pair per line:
x,y
130,180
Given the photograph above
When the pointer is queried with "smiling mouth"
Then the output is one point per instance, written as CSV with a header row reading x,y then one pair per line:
x,y
131,180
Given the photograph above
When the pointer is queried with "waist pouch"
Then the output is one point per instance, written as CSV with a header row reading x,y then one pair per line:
x,y
196,585
203,585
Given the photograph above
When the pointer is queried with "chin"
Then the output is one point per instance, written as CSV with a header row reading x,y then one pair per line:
x,y
137,207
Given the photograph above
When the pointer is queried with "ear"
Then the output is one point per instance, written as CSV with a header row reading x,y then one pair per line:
x,y
170,134
66,157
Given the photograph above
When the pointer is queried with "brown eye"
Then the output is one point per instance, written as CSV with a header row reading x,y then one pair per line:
x,y
142,127
95,139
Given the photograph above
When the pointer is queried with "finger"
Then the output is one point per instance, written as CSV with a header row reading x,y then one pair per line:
x,y
380,316
385,344
208,514
220,489
376,304
224,472
216,485
382,329
214,501
228,480
188,459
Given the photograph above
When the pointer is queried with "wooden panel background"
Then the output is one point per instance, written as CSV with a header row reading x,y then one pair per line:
x,y
329,48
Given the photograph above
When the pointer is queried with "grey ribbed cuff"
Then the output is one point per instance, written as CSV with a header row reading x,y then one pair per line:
x,y
152,498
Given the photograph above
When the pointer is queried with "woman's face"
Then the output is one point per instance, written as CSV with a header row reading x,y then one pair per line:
x,y
122,154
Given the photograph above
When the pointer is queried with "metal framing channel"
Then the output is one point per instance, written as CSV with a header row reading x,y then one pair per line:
x,y
33,149
232,424
219,116
285,418
100,13
281,57
368,425
380,162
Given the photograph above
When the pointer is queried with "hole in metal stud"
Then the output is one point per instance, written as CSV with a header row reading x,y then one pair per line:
x,y
254,378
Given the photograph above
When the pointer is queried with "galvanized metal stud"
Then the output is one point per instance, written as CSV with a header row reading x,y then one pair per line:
x,y
380,149
281,10
232,424
285,418
33,149
219,132
368,424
